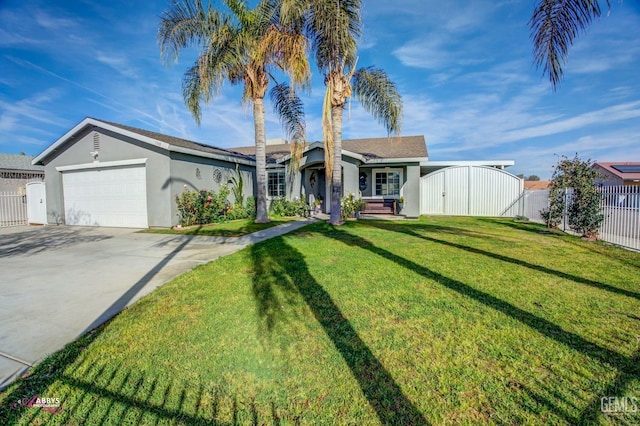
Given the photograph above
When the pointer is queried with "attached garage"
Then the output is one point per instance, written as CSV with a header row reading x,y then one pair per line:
x,y
109,194
107,174
470,190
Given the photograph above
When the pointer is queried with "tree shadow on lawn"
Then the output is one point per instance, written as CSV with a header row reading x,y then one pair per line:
x,y
133,395
280,267
599,247
628,367
111,393
409,230
533,227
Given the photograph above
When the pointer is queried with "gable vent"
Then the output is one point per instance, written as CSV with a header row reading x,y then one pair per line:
x,y
96,141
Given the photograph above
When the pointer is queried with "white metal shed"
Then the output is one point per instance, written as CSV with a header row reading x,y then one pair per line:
x,y
470,190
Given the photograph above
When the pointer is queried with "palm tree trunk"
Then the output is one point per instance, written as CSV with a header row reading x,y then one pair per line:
x,y
336,176
261,160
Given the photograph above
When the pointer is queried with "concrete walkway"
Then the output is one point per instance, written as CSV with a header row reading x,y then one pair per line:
x,y
57,282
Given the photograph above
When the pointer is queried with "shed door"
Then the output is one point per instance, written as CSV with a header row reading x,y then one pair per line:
x,y
115,197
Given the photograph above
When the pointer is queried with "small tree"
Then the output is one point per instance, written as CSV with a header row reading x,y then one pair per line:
x,y
584,206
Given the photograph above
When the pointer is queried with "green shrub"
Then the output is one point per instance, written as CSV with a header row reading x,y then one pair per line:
x,y
238,211
283,207
350,205
584,206
202,207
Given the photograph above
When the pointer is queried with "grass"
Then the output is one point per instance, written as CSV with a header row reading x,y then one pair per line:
x,y
233,228
440,321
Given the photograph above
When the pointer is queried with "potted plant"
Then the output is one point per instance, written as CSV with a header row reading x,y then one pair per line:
x,y
400,202
318,204
360,205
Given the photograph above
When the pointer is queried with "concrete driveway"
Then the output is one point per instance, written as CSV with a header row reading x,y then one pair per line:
x,y
56,282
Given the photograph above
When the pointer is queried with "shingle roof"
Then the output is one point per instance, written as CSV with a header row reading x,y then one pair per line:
x,y
370,148
273,152
175,141
536,185
609,166
18,162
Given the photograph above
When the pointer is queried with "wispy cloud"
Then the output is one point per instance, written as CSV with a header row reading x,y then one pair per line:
x,y
56,23
119,63
35,108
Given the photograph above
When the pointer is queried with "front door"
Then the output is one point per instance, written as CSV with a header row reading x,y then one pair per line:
x,y
315,183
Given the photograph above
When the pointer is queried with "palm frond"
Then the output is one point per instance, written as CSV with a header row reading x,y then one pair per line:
x,y
288,51
192,91
290,110
334,26
185,23
379,96
241,12
555,24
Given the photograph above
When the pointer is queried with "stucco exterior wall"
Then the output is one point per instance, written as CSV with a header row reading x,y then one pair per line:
x,y
411,191
113,147
350,176
294,184
199,173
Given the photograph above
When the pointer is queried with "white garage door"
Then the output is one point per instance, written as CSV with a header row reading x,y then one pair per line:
x,y
114,197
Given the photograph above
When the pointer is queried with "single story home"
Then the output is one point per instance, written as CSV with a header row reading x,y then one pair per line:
x,y
618,173
379,170
16,171
107,174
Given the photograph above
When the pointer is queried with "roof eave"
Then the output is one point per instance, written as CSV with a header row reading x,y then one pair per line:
x,y
490,163
146,139
321,146
227,158
397,160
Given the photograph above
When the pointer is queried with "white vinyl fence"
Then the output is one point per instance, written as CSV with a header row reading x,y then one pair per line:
x,y
620,206
13,209
621,209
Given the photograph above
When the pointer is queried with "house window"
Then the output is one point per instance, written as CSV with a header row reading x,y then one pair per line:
x,y
388,182
275,184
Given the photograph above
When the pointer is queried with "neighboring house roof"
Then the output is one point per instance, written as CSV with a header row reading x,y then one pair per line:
x,y
18,162
536,185
161,140
623,170
400,147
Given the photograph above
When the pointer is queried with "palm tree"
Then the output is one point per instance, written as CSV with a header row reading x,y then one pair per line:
x,y
242,46
555,24
333,27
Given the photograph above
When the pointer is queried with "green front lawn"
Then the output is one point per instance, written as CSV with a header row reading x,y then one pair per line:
x,y
441,321
233,228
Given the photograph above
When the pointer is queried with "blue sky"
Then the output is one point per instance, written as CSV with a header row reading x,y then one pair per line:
x,y
464,69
